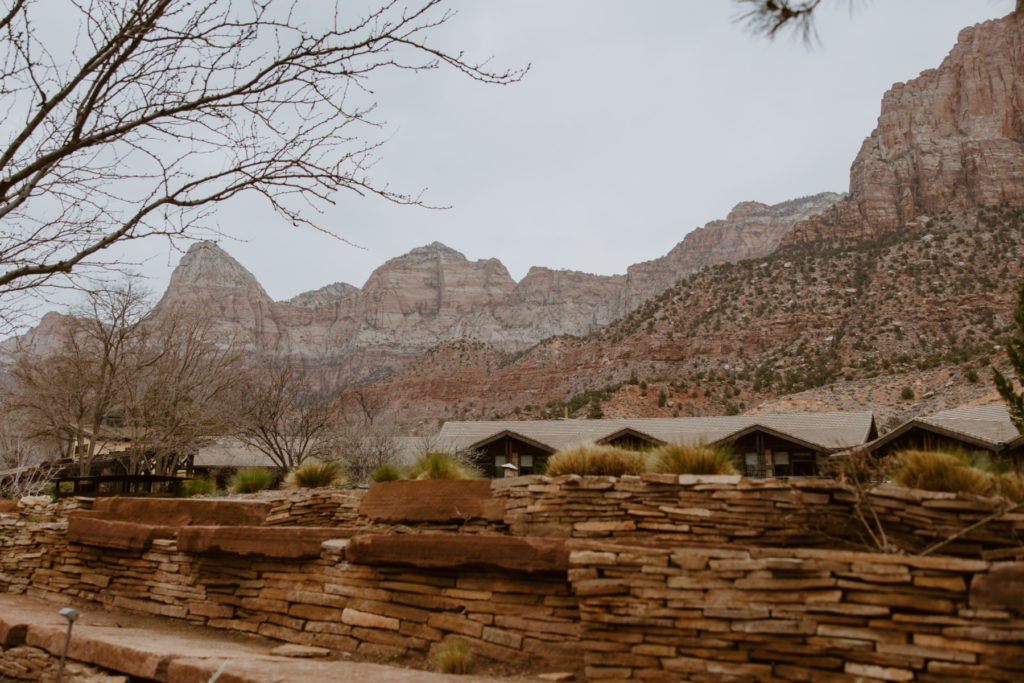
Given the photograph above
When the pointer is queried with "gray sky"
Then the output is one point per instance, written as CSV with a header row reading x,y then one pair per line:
x,y
638,122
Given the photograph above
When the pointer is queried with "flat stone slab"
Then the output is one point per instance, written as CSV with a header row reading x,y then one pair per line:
x,y
111,533
515,553
432,500
300,651
162,650
183,512
1001,588
274,541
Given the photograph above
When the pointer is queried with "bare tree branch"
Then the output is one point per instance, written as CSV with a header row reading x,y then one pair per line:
x,y
158,110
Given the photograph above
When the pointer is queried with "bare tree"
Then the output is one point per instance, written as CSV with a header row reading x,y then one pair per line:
x,y
67,395
23,467
150,381
169,402
367,436
276,412
150,112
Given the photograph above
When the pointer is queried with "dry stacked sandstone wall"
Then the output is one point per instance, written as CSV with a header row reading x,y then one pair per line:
x,y
705,593
795,614
803,512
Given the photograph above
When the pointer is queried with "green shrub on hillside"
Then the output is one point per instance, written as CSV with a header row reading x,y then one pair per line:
x,y
441,466
596,459
676,458
250,480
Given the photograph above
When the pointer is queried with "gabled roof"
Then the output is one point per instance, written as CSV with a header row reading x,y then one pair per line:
x,y
829,431
768,430
629,431
512,435
987,427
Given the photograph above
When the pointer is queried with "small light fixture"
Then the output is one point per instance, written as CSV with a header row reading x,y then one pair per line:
x,y
71,615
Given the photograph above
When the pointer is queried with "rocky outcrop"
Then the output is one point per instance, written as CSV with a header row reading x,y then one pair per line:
x,y
952,138
751,230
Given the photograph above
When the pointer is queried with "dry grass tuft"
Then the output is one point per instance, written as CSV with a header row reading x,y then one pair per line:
x,y
250,480
596,459
441,466
453,656
314,474
939,471
677,458
1011,486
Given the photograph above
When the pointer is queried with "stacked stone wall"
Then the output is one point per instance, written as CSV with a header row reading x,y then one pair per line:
x,y
804,512
670,577
705,614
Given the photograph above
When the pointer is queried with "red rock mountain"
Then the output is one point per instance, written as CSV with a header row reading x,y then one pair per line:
x,y
952,138
434,294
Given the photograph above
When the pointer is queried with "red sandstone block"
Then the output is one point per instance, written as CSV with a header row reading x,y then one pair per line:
x,y
422,631
500,636
315,612
367,620
455,624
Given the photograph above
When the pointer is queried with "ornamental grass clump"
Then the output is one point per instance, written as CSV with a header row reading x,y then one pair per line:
x,y
386,472
940,471
678,458
453,656
441,466
596,459
250,480
1011,486
314,474
197,487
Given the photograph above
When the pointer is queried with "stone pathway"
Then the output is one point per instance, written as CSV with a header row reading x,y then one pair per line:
x,y
154,648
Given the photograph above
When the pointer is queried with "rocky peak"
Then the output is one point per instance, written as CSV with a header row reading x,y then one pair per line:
x,y
950,139
434,250
332,293
206,266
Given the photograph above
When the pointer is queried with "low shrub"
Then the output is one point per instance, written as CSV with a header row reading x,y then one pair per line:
x,y
940,471
453,656
386,472
197,487
314,474
1011,486
596,459
441,466
250,480
677,458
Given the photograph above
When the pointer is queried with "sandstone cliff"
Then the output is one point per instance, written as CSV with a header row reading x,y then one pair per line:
x,y
751,230
952,138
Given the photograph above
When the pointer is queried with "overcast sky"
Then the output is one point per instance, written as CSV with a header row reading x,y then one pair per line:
x,y
637,122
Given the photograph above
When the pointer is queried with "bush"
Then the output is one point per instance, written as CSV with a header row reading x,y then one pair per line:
x,y
676,458
197,487
452,656
314,474
1011,486
386,472
907,394
939,471
595,459
250,480
441,466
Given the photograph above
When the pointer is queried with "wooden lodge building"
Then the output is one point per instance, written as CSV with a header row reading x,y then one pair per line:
x,y
978,430
772,445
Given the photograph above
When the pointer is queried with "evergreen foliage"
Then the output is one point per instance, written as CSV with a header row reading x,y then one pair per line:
x,y
1015,352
